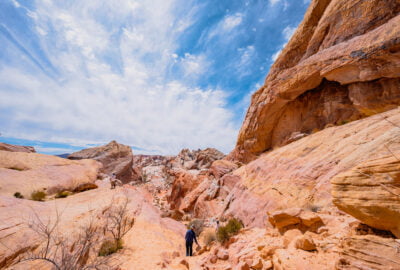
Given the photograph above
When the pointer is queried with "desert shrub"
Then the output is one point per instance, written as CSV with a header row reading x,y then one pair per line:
x,y
209,237
198,225
231,228
109,247
38,196
222,234
18,195
62,194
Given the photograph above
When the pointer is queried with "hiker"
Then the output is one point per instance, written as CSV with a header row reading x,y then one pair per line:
x,y
113,180
189,237
217,226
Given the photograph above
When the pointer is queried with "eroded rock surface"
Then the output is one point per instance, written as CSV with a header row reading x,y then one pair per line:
x,y
299,174
116,158
28,172
371,193
342,64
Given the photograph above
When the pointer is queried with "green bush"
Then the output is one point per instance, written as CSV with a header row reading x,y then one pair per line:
x,y
222,234
62,194
18,195
109,247
38,196
231,228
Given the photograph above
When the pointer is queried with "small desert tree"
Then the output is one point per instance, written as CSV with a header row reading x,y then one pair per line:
x,y
79,250
118,219
72,252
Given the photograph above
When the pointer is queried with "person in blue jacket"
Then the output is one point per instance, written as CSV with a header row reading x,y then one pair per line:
x,y
189,237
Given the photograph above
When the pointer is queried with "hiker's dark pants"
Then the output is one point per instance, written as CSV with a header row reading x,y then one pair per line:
x,y
189,248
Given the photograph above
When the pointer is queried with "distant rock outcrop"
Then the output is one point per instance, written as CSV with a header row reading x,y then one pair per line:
x,y
116,158
16,148
342,64
198,159
29,172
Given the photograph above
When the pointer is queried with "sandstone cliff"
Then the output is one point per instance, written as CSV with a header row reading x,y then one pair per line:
x,y
342,64
116,158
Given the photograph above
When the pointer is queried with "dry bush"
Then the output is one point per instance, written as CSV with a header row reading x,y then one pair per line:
x,y
209,237
109,247
65,252
38,196
18,195
231,228
119,221
80,250
62,194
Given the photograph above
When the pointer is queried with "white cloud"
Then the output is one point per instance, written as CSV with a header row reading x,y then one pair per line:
x,y
247,56
273,2
129,98
16,3
225,26
287,33
232,21
275,55
194,65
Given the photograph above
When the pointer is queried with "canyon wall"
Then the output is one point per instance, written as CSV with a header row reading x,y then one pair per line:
x,y
341,65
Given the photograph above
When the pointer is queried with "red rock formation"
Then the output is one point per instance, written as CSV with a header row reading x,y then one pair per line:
x,y
342,64
116,158
16,148
299,174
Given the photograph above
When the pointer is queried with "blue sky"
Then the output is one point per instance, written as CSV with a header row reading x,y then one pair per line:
x,y
159,75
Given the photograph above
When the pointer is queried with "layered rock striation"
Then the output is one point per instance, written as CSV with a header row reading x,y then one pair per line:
x,y
16,148
342,64
115,157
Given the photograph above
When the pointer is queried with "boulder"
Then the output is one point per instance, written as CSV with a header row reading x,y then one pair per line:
x,y
16,148
295,218
305,242
340,65
370,192
116,158
242,266
28,172
221,167
369,252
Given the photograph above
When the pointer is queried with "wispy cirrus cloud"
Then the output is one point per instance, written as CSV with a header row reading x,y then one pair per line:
x,y
158,75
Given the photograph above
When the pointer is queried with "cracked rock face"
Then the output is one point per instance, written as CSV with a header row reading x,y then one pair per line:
x,y
342,64
371,193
